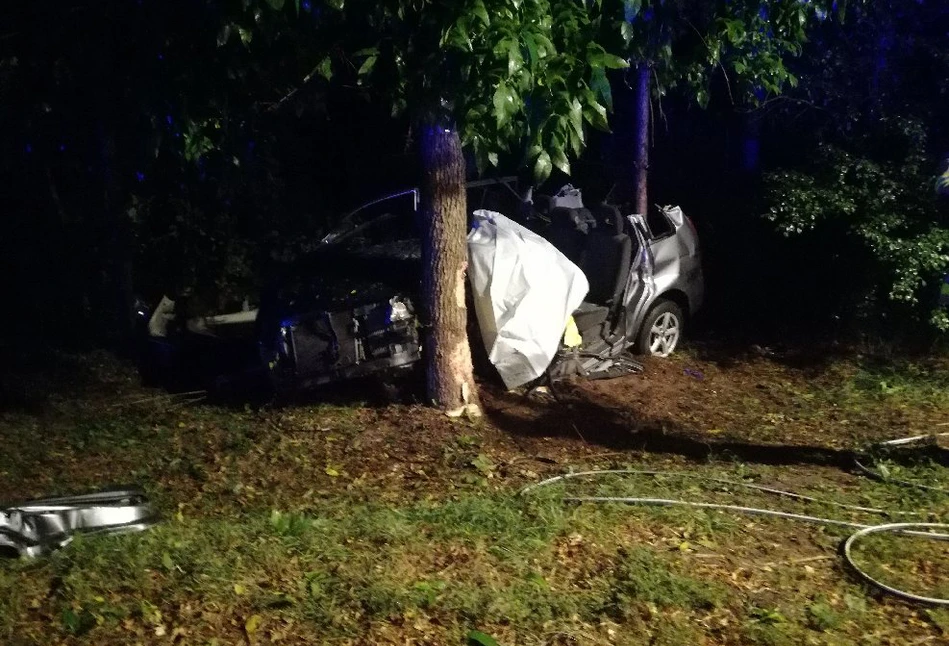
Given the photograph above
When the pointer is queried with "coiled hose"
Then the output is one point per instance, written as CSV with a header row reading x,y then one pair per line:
x,y
905,528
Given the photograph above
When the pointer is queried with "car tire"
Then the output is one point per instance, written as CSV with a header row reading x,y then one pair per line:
x,y
662,330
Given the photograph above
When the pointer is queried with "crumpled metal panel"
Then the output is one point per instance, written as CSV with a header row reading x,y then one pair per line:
x,y
38,527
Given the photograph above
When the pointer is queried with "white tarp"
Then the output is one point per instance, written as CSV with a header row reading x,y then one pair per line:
x,y
524,290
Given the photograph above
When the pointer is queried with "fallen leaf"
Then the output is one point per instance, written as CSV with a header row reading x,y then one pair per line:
x,y
330,471
253,624
478,638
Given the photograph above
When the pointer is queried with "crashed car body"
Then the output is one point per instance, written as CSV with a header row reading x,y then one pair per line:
x,y
346,310
349,309
645,275
637,288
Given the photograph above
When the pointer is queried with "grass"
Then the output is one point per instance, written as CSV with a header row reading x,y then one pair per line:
x,y
489,560
345,524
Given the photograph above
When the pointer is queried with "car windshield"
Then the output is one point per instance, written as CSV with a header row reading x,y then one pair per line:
x,y
389,218
393,218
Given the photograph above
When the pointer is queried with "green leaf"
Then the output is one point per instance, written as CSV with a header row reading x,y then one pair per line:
x,y
514,60
502,104
626,30
559,159
481,12
701,97
842,10
614,62
596,116
276,4
531,45
478,638
545,46
246,35
575,142
601,88
325,68
493,158
576,115
366,67
296,5
166,561
542,167
483,463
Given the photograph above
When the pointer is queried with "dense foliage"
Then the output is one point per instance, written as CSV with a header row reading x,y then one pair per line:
x,y
154,147
745,44
514,77
876,116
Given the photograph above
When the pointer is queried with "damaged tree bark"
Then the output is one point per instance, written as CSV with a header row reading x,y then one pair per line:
x,y
450,378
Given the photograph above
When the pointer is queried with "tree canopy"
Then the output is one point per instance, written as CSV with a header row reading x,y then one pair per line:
x,y
515,78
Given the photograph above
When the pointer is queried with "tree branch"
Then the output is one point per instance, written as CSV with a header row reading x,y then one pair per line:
x,y
290,95
728,84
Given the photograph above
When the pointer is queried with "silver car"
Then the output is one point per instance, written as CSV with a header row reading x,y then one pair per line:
x,y
678,285
645,278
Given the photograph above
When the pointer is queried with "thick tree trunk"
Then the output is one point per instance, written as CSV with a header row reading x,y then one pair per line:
x,y
641,141
444,261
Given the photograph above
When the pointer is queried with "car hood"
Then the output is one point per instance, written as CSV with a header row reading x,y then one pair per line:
x,y
342,279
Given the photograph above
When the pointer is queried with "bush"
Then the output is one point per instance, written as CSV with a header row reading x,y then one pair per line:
x,y
874,205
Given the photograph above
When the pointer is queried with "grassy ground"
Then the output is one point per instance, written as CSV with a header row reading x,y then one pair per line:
x,y
356,523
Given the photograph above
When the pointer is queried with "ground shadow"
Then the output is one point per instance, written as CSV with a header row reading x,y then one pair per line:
x,y
593,423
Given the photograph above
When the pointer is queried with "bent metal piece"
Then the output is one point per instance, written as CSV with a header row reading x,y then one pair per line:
x,y
38,527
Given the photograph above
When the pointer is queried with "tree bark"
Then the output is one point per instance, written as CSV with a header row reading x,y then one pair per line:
x,y
641,141
444,224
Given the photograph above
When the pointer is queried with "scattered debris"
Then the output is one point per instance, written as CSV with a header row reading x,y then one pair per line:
x,y
695,374
41,526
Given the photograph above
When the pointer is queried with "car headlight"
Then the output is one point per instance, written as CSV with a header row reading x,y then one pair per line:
x,y
398,311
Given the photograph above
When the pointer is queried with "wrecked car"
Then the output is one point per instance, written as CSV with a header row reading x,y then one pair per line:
x,y
350,308
619,284
346,310
645,273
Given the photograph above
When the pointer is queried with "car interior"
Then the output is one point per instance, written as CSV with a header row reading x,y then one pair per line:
x,y
597,241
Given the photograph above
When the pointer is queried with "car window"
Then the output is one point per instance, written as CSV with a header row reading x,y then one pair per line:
x,y
391,218
385,228
659,225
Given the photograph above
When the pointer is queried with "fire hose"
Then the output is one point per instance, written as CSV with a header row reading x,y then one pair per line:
x,y
917,529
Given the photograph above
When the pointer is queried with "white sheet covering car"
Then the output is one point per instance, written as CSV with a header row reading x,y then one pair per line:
x,y
524,292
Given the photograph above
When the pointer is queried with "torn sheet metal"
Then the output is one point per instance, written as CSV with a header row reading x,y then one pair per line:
x,y
40,526
524,292
640,290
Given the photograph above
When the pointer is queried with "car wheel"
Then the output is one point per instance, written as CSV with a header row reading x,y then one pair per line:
x,y
662,330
